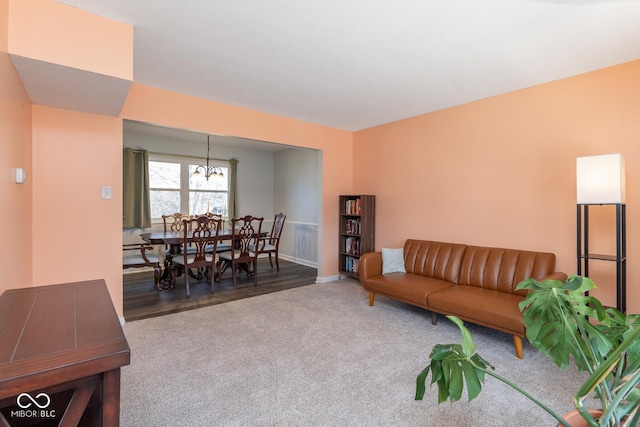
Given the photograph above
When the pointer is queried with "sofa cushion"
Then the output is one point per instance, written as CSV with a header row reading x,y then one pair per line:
x,y
434,259
494,309
502,269
409,288
393,261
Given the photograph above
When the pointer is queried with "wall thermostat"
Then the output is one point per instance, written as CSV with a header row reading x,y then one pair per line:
x,y
20,175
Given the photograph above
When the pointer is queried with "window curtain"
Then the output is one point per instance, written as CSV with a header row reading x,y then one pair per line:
x,y
233,178
136,206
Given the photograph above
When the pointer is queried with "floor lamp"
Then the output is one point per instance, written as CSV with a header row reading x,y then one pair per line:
x,y
601,181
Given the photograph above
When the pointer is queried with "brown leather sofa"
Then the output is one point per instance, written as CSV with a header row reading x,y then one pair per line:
x,y
476,284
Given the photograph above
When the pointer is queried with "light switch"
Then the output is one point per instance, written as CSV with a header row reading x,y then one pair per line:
x,y
106,192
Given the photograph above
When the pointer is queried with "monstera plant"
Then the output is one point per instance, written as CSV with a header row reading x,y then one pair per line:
x,y
564,323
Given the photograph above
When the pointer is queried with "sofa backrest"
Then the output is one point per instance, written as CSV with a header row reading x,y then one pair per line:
x,y
502,269
434,259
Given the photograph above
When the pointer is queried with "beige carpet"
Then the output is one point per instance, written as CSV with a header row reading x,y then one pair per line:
x,y
319,356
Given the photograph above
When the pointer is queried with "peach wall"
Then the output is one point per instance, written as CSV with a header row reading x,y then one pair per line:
x,y
157,106
77,235
62,34
15,151
501,171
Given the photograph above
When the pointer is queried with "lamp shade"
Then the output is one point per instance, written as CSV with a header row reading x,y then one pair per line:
x,y
600,179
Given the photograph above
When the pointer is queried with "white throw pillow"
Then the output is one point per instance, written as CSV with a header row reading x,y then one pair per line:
x,y
393,261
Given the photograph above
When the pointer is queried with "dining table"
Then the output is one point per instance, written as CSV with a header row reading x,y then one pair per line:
x,y
175,240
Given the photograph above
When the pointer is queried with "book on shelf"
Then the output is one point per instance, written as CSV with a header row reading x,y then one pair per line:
x,y
351,264
352,245
353,207
352,226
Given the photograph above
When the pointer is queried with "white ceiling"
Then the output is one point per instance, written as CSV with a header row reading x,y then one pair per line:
x,y
353,64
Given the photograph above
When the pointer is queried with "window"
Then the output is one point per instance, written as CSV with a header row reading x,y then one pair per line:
x,y
210,195
164,188
174,188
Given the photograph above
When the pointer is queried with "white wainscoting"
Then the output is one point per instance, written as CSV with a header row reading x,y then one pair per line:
x,y
299,242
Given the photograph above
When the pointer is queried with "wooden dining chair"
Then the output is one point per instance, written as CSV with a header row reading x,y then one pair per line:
x,y
246,232
270,244
173,223
200,232
222,247
138,255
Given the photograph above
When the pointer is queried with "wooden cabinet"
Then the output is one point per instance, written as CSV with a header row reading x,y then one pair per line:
x,y
61,350
357,231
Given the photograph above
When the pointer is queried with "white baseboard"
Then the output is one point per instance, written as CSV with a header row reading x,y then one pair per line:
x,y
299,260
327,279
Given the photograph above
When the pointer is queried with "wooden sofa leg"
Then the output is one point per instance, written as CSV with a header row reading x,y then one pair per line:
x,y
371,298
517,342
434,318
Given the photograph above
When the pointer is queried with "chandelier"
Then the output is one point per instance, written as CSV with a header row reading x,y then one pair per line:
x,y
208,170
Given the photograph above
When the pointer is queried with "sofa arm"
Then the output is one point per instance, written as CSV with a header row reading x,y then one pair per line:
x,y
555,276
370,265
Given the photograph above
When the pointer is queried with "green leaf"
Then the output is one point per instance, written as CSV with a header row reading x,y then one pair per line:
x,y
455,379
608,365
454,366
468,345
441,351
473,380
421,380
557,319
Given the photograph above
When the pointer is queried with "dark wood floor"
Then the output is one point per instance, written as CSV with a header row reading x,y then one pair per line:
x,y
142,300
